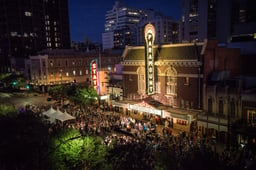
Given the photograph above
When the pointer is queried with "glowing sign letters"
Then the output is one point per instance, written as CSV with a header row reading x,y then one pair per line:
x,y
149,37
94,78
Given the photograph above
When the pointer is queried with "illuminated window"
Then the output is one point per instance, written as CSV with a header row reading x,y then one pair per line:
x,y
86,72
28,14
186,81
171,82
80,72
13,34
158,87
74,72
67,74
141,81
251,116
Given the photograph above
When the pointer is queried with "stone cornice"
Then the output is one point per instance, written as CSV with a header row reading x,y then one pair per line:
x,y
181,63
133,63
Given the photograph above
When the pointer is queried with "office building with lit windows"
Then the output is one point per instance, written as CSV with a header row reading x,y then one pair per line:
x,y
227,21
118,24
167,29
124,26
27,27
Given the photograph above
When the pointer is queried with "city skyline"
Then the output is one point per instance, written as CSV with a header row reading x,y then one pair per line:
x,y
82,11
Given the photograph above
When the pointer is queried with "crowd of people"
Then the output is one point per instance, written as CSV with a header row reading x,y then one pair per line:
x,y
138,148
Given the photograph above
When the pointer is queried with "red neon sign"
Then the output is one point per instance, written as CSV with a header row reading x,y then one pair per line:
x,y
94,78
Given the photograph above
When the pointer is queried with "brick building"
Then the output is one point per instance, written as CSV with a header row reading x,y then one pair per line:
x,y
177,74
67,66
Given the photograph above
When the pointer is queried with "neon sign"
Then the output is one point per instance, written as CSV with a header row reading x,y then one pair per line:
x,y
149,62
94,77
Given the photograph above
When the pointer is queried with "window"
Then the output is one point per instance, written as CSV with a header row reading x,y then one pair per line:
x,y
158,87
141,80
232,108
67,74
251,117
28,14
86,72
74,72
221,107
171,82
51,63
171,85
13,34
210,105
80,72
187,81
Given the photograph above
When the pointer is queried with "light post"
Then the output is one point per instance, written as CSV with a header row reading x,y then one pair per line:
x,y
229,124
60,74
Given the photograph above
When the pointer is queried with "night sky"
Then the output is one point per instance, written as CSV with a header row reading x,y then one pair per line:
x,y
87,17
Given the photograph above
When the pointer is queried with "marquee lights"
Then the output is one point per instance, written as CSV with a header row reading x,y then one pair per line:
x,y
149,62
94,76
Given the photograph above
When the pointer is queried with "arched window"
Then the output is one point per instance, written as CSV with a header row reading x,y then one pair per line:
x,y
171,82
141,80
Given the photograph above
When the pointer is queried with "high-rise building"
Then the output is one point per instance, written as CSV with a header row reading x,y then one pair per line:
x,y
197,17
119,22
227,21
125,25
167,29
30,26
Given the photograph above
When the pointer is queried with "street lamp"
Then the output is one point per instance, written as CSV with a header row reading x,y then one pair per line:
x,y
60,74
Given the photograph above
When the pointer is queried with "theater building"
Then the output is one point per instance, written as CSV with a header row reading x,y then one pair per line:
x,y
169,74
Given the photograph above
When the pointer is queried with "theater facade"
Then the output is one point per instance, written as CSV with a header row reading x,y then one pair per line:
x,y
163,80
170,74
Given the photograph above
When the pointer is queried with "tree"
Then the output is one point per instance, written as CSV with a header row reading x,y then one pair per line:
x,y
72,151
58,92
7,110
23,140
84,96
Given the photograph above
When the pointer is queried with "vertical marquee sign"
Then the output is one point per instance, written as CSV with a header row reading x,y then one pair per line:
x,y
149,32
94,76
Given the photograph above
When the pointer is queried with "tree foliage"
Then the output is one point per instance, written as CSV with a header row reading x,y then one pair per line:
x,y
7,110
72,151
84,96
23,140
58,92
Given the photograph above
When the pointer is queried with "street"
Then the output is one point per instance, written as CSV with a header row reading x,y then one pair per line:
x,y
22,99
